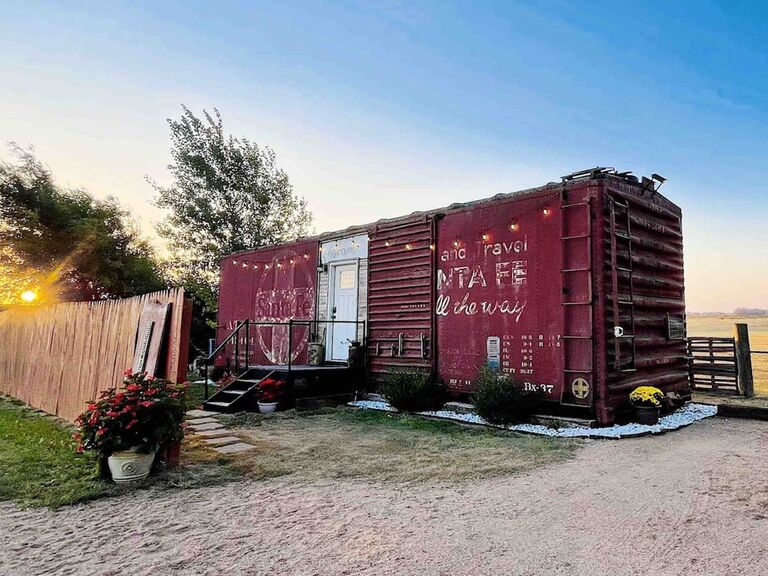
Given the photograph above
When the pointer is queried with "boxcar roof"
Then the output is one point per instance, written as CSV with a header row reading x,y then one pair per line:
x,y
575,179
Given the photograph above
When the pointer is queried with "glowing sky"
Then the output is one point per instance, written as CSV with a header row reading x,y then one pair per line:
x,y
381,109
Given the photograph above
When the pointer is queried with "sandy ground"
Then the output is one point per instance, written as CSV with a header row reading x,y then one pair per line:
x,y
689,502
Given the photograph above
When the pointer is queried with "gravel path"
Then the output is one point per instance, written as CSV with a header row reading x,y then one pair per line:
x,y
689,502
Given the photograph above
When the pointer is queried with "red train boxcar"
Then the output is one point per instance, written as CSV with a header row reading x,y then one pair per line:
x,y
574,288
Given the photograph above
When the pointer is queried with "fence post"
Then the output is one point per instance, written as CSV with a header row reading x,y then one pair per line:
x,y
744,360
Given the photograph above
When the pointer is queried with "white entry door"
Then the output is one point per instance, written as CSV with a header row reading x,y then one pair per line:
x,y
343,306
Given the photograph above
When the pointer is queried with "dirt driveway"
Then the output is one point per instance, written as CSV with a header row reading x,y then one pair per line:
x,y
689,502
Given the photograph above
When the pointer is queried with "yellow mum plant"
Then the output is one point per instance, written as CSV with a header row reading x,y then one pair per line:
x,y
646,396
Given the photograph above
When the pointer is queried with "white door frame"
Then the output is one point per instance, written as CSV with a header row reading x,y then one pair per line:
x,y
329,312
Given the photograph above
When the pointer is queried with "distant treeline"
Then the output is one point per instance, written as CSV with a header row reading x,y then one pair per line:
x,y
738,313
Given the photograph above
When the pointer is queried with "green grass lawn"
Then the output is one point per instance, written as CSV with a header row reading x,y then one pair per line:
x,y
39,467
38,464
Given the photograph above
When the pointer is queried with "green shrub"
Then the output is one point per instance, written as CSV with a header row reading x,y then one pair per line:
x,y
501,401
411,391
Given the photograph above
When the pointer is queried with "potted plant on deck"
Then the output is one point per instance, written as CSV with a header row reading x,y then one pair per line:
x,y
127,426
270,393
646,401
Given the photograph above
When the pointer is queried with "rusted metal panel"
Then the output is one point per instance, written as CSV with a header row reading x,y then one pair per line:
x,y
400,295
272,284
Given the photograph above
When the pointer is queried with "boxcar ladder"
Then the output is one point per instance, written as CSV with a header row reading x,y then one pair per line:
x,y
576,239
622,288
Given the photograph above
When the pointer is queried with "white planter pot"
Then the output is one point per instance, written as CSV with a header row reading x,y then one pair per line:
x,y
130,466
265,407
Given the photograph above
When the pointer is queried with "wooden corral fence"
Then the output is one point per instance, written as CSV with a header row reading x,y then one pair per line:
x,y
58,357
722,365
713,364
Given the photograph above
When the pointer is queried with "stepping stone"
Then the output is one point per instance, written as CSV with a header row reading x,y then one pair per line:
x,y
202,420
208,426
234,448
200,413
221,440
211,433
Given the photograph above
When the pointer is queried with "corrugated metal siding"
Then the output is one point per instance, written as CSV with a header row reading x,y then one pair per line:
x,y
400,295
647,269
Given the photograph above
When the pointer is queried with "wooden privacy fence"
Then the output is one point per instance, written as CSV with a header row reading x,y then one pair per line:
x,y
58,357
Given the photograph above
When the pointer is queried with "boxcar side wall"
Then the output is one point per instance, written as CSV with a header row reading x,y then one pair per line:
x,y
498,293
644,302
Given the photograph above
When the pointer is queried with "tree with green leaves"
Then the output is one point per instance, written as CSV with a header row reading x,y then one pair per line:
x,y
228,194
81,247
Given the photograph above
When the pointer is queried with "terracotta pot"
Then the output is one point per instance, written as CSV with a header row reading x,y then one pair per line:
x,y
130,466
647,414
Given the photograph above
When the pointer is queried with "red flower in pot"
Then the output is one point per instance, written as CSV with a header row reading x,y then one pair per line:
x,y
270,393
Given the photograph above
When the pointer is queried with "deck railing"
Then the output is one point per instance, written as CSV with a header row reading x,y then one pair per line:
x,y
243,328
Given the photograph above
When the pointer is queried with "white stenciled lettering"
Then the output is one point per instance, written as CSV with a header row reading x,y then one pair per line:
x,y
441,305
502,248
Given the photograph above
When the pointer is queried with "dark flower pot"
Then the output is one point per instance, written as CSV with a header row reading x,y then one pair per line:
x,y
647,414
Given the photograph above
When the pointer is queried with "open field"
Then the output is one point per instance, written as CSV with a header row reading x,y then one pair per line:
x,y
758,339
669,505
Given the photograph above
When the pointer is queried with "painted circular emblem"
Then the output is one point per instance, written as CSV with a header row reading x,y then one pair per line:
x,y
285,292
580,388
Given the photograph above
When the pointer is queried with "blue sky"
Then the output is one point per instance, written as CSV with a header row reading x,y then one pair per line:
x,y
379,109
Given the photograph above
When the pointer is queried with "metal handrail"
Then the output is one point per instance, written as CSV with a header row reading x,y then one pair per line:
x,y
247,324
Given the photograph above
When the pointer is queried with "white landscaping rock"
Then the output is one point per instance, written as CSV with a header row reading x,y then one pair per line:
x,y
689,414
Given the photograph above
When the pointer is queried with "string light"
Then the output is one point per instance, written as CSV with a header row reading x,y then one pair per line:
x,y
514,226
279,265
486,236
266,266
306,256
255,266
386,243
407,246
245,264
455,243
291,261
432,247
234,262
546,211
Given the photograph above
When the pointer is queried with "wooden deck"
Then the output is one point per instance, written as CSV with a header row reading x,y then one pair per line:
x,y
302,370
